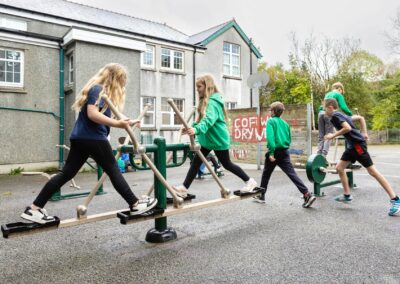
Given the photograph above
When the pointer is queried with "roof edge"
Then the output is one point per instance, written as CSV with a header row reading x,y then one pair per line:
x,y
235,25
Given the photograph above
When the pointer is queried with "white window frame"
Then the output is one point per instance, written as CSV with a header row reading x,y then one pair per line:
x,y
230,65
151,111
230,105
171,112
172,56
71,69
153,59
14,24
21,61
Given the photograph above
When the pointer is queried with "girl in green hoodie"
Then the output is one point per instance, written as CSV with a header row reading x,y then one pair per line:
x,y
212,134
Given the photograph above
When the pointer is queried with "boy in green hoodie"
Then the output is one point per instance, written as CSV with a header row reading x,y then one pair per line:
x,y
212,134
279,139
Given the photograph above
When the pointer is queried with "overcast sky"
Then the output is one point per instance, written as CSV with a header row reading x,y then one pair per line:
x,y
269,23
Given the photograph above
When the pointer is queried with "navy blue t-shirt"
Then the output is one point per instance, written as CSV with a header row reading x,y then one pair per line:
x,y
84,127
353,136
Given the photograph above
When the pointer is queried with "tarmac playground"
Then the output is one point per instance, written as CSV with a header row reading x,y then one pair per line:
x,y
239,242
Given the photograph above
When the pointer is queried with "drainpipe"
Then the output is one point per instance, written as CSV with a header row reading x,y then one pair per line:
x,y
62,112
194,76
251,72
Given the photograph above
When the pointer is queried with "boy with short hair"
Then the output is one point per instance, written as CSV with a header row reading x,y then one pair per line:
x,y
279,139
356,150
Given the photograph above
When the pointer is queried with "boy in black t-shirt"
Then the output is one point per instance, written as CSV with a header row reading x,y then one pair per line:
x,y
356,150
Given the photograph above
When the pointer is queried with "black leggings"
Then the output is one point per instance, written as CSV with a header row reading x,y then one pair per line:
x,y
101,152
223,157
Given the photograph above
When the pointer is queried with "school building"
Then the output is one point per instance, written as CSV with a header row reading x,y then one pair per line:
x,y
50,48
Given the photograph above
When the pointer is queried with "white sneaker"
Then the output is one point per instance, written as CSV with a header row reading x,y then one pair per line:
x,y
249,186
38,216
144,204
180,190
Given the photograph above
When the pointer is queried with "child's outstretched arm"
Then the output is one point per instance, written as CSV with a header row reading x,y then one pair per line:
x,y
363,125
96,116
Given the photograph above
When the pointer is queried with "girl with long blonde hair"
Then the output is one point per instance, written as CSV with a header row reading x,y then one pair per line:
x,y
213,135
89,138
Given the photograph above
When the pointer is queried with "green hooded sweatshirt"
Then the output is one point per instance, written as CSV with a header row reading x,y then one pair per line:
x,y
341,102
212,131
278,134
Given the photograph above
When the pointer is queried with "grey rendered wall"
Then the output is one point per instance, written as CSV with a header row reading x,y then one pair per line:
x,y
160,83
28,137
234,90
90,58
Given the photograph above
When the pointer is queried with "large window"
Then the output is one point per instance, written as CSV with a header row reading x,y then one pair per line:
x,y
169,117
11,68
172,59
149,120
70,58
148,57
231,59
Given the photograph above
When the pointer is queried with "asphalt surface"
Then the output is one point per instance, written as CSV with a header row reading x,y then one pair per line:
x,y
240,242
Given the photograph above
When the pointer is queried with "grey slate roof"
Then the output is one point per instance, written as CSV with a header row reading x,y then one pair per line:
x,y
199,37
91,15
108,19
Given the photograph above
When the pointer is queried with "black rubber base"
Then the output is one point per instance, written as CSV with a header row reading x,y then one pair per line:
x,y
189,197
154,236
256,190
125,216
21,227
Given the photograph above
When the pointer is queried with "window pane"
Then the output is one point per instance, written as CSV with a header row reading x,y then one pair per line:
x,y
9,66
179,105
2,76
164,51
235,60
165,61
2,54
17,77
235,71
178,54
2,66
235,49
227,70
149,118
164,105
227,59
148,56
9,77
166,119
178,63
226,47
17,67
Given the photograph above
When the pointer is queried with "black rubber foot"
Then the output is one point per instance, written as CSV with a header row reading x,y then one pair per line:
x,y
155,236
23,227
189,197
256,190
125,216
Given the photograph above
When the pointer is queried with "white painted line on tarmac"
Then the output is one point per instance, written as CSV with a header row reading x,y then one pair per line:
x,y
390,176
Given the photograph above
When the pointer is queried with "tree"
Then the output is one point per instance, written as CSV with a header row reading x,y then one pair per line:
x,y
288,86
320,58
393,37
386,112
